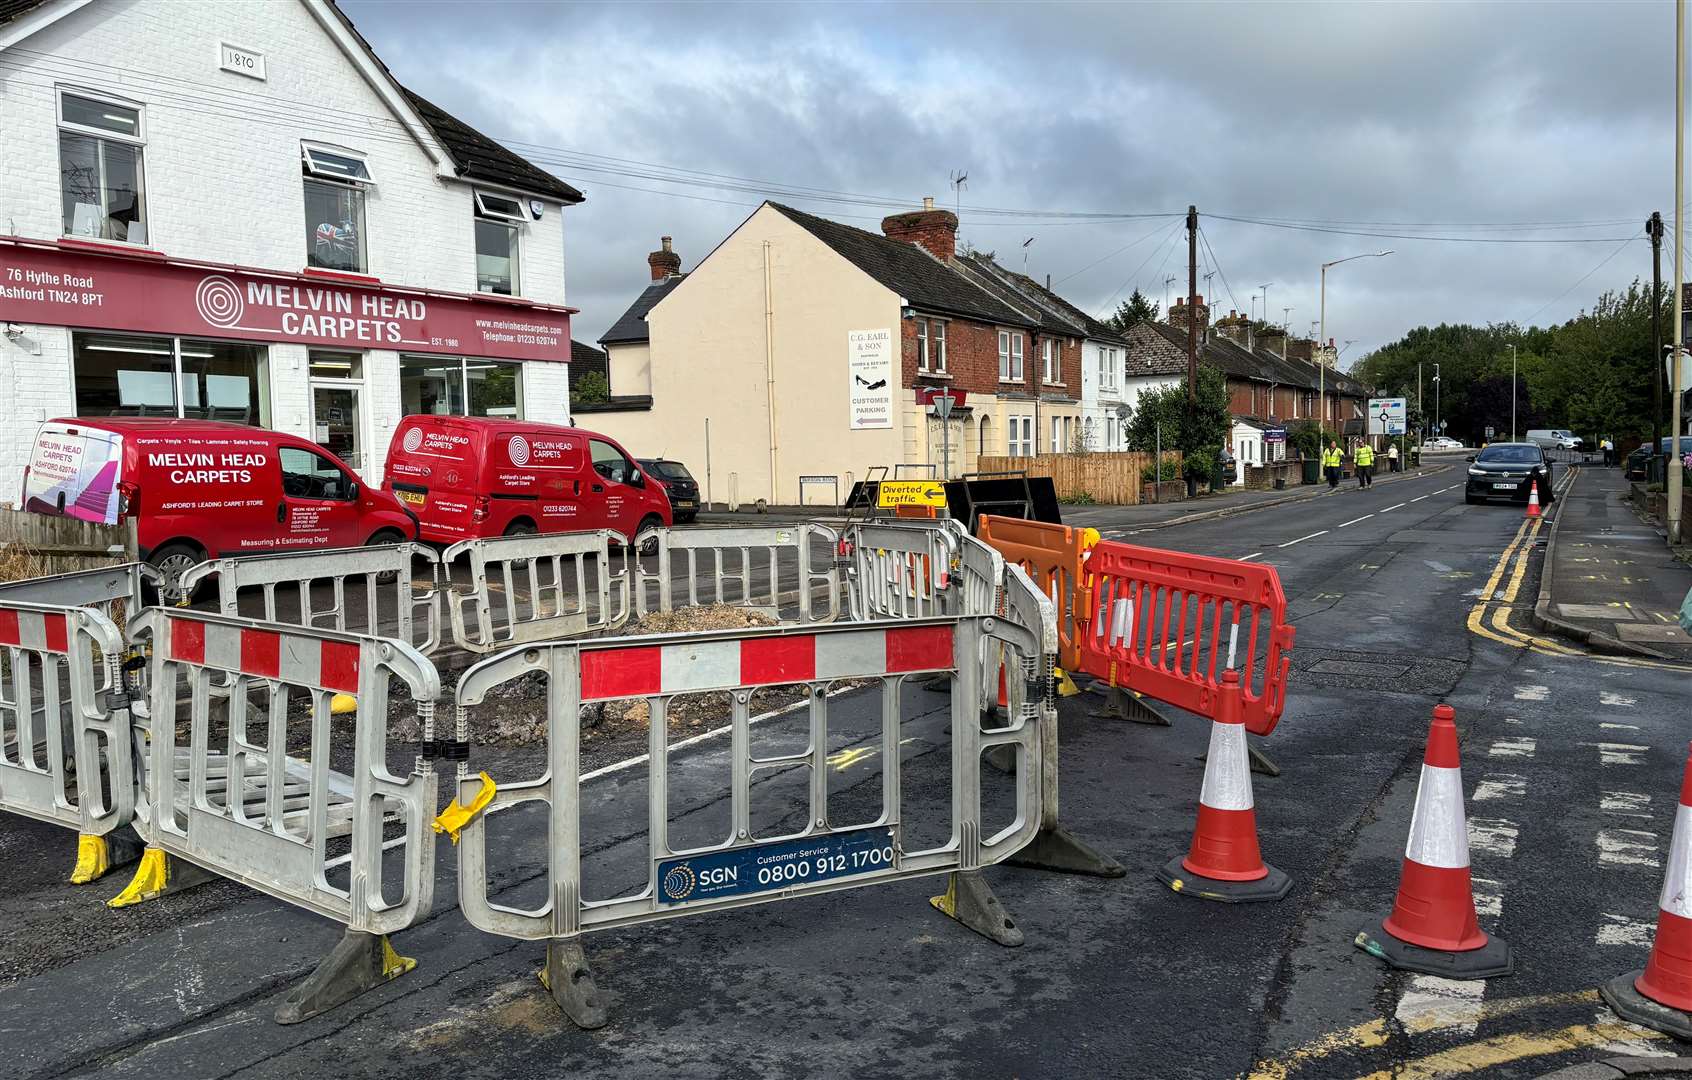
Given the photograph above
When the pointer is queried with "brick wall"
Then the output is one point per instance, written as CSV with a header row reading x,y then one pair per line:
x,y
972,356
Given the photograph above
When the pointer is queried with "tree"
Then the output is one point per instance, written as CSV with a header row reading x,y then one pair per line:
x,y
1136,309
591,388
1200,434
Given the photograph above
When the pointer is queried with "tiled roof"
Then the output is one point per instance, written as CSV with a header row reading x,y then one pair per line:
x,y
478,157
630,327
584,360
1090,326
924,281
1151,352
995,279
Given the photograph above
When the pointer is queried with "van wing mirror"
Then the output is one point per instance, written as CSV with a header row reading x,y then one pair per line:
x,y
1471,457
352,489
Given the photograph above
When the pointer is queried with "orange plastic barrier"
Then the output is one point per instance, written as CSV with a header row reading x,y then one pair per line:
x,y
1055,557
1169,625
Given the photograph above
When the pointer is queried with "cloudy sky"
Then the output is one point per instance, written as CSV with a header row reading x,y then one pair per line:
x,y
1481,121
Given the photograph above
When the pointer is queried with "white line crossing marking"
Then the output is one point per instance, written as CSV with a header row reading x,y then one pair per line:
x,y
1447,1004
1354,521
1522,747
1610,697
1533,693
1618,727
1627,847
1617,753
1394,506
1621,930
1248,558
1495,836
1302,539
1501,786
1625,804
1489,897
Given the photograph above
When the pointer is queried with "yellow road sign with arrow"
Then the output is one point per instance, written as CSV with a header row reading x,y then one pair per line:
x,y
895,493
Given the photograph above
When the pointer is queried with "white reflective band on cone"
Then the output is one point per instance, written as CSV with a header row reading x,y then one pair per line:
x,y
1227,769
1677,881
1439,834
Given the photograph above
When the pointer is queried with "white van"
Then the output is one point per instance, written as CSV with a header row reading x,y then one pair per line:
x,y
1554,438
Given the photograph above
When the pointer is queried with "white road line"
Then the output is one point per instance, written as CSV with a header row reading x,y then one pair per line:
x,y
1302,539
1610,697
1618,727
1394,506
1513,747
1354,521
1489,897
1418,498
1621,930
1533,693
1248,558
1495,836
1627,847
1616,753
1501,786
1625,804
1446,1004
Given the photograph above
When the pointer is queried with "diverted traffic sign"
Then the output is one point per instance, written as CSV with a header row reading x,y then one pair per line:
x,y
895,493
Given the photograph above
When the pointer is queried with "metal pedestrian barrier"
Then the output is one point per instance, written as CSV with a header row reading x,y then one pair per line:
x,y
114,591
743,869
904,571
1169,625
537,588
743,566
365,590
254,820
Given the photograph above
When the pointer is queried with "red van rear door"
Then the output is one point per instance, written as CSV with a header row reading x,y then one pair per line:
x,y
545,470
432,470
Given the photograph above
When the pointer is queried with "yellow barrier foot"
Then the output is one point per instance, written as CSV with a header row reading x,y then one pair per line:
x,y
458,815
158,875
360,961
968,899
1065,685
1133,707
96,855
1056,848
569,979
342,704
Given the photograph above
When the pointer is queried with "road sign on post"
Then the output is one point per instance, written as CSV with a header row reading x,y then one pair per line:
x,y
1386,416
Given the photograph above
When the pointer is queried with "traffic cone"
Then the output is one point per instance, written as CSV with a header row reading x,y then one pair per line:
x,y
1533,499
1224,862
1660,996
1432,927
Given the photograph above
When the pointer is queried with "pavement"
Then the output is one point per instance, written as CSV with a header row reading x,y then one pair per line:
x,y
1403,597
1612,581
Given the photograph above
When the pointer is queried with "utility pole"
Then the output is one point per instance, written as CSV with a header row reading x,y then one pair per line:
x,y
1673,462
1654,229
1193,300
1512,390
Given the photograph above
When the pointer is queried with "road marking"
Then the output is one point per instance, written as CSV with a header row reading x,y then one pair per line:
x,y
1513,747
1618,727
1418,498
1248,558
1627,847
1394,506
1621,930
1495,836
1503,1049
1354,521
1489,896
1616,753
1533,693
1302,539
1625,804
1610,697
1444,1003
1501,786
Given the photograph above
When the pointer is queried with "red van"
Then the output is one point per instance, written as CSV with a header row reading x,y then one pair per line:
x,y
467,477
200,489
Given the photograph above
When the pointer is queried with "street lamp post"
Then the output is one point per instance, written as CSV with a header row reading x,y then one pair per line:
x,y
1322,337
1437,429
1512,390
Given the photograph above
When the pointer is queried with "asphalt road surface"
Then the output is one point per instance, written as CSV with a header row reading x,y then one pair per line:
x,y
1403,598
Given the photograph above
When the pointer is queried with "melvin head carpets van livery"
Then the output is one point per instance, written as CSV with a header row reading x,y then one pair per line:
x,y
199,489
467,477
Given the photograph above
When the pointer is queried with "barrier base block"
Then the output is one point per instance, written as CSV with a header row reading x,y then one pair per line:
x,y
1056,848
1261,764
1490,960
95,855
569,979
159,875
1275,886
360,961
968,899
1127,705
1625,1000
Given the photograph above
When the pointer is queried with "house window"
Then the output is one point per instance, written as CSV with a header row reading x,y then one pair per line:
x,y
937,343
100,185
499,220
1051,352
931,346
922,344
1057,435
1020,435
433,384
1107,368
335,186
132,375
1010,356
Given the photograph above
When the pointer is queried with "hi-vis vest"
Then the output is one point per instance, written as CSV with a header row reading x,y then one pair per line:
x,y
1365,455
1331,458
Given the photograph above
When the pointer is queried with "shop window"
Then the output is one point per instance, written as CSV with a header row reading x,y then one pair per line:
x,y
336,365
130,375
430,384
100,176
495,389
335,186
221,381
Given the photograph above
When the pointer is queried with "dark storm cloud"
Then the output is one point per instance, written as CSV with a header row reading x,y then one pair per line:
x,y
1343,113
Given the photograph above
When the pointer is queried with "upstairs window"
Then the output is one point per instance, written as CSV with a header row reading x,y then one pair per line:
x,y
100,185
499,221
931,345
1108,365
1010,356
336,181
1052,353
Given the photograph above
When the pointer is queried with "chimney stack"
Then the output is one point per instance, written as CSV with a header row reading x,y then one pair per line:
x,y
1236,328
1178,316
935,231
664,262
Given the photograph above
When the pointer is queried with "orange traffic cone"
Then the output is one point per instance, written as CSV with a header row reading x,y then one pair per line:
x,y
1432,927
1224,862
1533,499
1660,997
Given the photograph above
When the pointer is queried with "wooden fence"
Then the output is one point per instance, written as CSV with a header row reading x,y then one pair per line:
x,y
32,545
1102,477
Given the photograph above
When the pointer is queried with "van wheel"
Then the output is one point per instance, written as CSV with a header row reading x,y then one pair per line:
x,y
521,528
382,538
172,561
649,546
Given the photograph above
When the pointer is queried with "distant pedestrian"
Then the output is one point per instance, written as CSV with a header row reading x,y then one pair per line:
x,y
1331,459
1609,449
1392,458
1365,458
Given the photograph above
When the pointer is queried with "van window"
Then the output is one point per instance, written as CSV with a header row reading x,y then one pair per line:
x,y
310,475
609,462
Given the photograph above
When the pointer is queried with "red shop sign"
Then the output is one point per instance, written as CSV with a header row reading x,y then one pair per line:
x,y
147,294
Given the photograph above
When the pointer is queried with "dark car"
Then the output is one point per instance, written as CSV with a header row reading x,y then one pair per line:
x,y
683,489
1638,463
1227,467
1508,471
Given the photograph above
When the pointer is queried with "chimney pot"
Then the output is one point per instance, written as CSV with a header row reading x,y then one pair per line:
x,y
665,240
928,202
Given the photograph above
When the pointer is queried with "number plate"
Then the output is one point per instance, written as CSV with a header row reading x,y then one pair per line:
x,y
781,865
1507,487
413,498
684,504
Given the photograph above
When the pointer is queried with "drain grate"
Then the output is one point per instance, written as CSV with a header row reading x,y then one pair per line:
x,y
1405,673
1366,668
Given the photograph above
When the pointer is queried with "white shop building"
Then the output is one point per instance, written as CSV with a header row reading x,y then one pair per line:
x,y
232,211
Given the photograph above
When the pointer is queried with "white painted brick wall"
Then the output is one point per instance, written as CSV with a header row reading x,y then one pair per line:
x,y
35,383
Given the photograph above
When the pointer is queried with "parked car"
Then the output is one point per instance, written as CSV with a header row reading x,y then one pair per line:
x,y
678,482
1442,442
1508,471
1637,464
202,489
467,477
1227,467
1553,438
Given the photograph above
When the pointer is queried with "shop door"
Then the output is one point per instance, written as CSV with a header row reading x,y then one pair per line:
x,y
338,424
